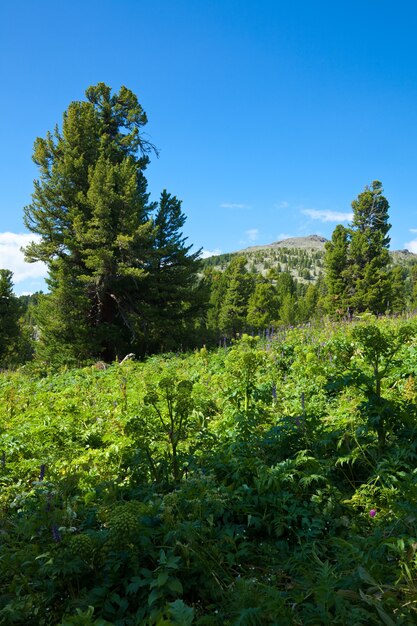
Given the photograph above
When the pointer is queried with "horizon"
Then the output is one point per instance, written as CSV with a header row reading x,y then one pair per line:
x,y
247,249
269,119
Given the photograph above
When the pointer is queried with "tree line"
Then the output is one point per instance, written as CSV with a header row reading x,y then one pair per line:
x,y
358,276
121,275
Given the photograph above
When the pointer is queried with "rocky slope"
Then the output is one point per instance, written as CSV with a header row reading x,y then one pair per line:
x,y
301,256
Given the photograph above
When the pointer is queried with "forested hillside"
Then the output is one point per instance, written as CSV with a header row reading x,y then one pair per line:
x,y
302,257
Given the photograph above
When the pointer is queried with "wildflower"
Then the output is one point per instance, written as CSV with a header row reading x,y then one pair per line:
x,y
56,534
372,512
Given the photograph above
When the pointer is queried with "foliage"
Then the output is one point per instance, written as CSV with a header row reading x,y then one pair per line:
x,y
263,306
175,297
357,258
113,257
336,271
244,485
9,319
234,308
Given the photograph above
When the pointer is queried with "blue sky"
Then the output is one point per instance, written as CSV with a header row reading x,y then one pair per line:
x,y
270,116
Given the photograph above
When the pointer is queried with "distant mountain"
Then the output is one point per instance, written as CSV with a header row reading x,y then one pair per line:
x,y
302,257
312,242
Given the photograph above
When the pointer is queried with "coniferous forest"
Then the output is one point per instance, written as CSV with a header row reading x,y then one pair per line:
x,y
200,442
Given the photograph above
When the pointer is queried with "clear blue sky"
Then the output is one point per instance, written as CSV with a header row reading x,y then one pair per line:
x,y
270,116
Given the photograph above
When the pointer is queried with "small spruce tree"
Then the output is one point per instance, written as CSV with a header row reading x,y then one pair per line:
x,y
9,320
234,309
336,300
263,305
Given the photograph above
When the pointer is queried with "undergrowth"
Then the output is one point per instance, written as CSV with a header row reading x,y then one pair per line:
x,y
264,483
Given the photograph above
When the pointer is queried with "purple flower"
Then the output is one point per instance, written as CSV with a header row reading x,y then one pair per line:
x,y
372,512
55,533
42,472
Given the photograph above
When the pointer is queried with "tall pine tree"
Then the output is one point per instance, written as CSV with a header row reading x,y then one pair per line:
x,y
176,298
369,274
357,258
263,305
234,309
98,237
336,271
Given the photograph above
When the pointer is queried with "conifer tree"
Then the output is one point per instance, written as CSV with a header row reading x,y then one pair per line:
x,y
9,318
336,271
288,311
285,285
357,258
232,316
399,289
263,305
217,284
91,208
368,252
413,278
307,304
175,296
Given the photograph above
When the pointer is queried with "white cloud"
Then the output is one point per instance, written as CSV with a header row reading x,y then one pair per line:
x,y
252,234
411,245
327,216
206,253
11,257
282,236
282,205
234,205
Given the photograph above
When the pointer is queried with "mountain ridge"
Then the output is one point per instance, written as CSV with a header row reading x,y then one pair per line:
x,y
302,257
310,241
316,242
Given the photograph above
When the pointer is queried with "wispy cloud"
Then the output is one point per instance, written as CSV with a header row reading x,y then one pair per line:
x,y
234,205
413,230
282,205
205,254
282,236
252,234
11,257
327,216
412,245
